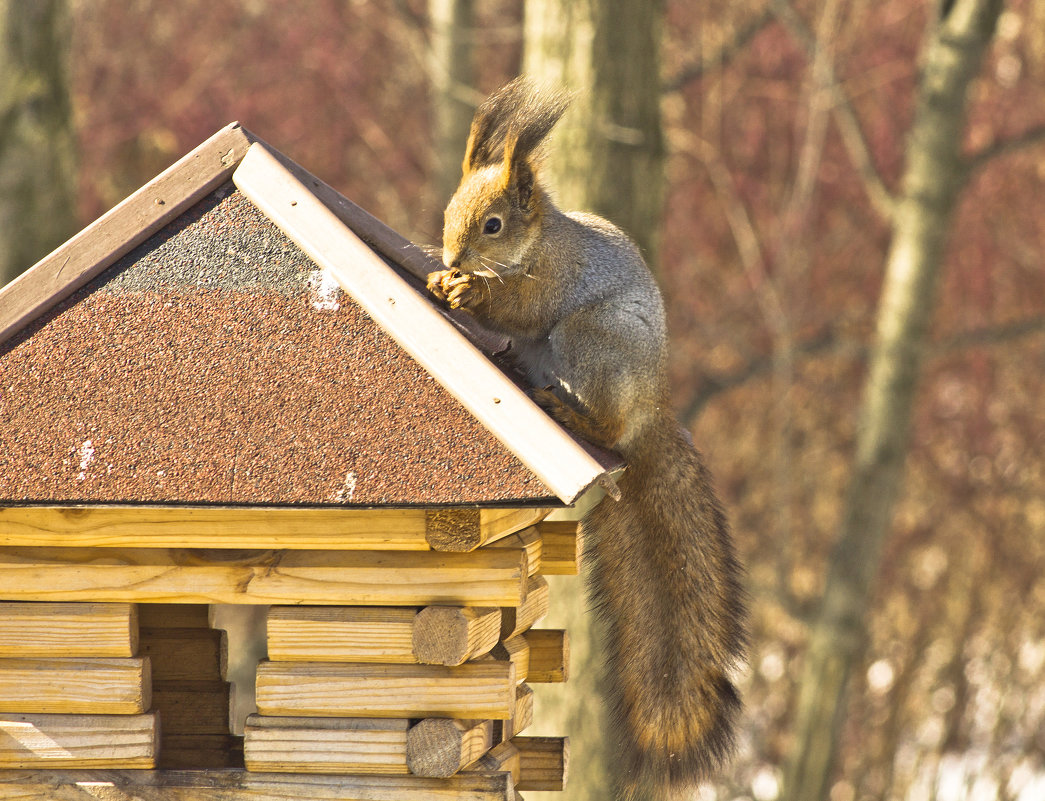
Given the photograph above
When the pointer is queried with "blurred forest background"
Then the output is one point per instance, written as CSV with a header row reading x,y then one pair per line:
x,y
844,205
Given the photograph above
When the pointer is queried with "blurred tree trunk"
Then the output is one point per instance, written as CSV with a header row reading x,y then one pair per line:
x,y
37,175
934,176
606,156
608,152
452,77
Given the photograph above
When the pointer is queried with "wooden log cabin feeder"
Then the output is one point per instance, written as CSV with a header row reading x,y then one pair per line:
x,y
233,389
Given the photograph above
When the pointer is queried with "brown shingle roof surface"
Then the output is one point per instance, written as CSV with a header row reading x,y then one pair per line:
x,y
216,364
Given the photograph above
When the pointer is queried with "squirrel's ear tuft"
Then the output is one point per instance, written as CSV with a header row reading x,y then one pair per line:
x,y
518,175
518,115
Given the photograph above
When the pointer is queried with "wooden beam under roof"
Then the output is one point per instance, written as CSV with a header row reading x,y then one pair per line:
x,y
260,527
486,577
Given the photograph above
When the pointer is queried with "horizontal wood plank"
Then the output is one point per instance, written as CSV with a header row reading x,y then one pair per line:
x,y
192,707
498,523
239,785
473,690
341,634
562,547
68,629
217,527
326,745
179,654
78,741
260,527
437,635
543,762
529,541
463,530
89,686
485,577
549,655
451,635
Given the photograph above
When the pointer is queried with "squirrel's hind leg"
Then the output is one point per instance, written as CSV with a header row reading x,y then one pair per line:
x,y
569,414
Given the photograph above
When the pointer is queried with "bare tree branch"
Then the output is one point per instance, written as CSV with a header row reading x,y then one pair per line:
x,y
415,19
1034,135
845,115
990,335
714,385
722,56
745,234
828,342
819,99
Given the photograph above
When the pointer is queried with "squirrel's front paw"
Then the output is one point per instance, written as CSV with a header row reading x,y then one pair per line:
x,y
459,290
438,282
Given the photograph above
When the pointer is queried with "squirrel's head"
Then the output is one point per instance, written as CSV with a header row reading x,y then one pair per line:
x,y
494,216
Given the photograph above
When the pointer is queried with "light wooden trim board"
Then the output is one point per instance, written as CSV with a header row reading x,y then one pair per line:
x,y
506,411
379,529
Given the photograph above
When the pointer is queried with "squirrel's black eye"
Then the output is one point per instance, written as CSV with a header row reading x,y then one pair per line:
x,y
492,226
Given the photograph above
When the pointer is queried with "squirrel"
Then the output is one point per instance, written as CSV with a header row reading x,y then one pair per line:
x,y
586,323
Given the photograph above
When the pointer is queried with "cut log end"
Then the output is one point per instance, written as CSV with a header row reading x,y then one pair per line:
x,y
447,635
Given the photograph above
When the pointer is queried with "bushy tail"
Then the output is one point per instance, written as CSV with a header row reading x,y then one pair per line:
x,y
666,584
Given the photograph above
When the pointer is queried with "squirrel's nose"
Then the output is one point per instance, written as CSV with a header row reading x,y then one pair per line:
x,y
451,260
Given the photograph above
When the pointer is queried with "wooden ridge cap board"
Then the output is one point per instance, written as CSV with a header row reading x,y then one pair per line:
x,y
241,785
379,529
542,445
413,265
122,228
486,577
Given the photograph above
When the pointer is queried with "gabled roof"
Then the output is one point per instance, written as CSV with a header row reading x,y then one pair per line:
x,y
194,346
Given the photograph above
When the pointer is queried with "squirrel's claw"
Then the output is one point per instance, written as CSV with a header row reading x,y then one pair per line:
x,y
464,292
439,282
458,289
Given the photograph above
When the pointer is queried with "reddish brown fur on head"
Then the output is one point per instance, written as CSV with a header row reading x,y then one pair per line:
x,y
499,181
510,125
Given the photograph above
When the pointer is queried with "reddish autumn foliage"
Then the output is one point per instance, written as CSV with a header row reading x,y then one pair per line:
x,y
771,261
